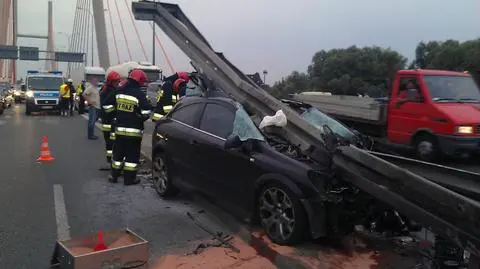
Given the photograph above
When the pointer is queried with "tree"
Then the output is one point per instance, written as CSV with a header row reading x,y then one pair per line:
x,y
447,55
295,82
343,71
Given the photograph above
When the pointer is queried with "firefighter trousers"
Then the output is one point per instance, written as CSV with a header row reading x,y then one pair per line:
x,y
126,155
108,145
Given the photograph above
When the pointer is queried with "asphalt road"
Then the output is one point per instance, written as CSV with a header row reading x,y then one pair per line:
x,y
70,197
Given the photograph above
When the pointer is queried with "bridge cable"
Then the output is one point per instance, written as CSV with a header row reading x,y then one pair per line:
x,y
83,30
70,45
163,50
90,32
113,32
123,30
136,30
76,35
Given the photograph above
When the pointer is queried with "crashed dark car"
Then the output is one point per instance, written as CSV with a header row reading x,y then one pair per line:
x,y
210,144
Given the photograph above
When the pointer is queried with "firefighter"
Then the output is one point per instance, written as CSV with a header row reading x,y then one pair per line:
x,y
131,110
109,88
65,94
81,100
168,96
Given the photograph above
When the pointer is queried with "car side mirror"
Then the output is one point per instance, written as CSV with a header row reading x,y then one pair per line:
x,y
233,141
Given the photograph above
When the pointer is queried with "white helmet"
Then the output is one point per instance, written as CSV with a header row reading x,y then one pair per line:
x,y
70,80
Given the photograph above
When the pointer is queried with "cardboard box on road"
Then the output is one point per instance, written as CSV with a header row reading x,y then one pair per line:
x,y
126,249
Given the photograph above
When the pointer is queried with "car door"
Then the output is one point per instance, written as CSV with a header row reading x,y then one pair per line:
x,y
178,136
406,118
225,172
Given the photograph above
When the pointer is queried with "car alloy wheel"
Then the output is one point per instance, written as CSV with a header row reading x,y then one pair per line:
x,y
160,174
277,214
161,177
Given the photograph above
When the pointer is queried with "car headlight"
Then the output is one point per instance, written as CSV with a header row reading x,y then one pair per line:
x,y
464,130
29,93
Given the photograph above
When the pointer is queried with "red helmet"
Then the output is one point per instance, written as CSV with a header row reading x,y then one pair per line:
x,y
177,84
138,75
112,77
184,76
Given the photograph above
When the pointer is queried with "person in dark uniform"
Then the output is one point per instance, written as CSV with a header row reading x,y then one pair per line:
x,y
109,88
131,109
81,100
169,94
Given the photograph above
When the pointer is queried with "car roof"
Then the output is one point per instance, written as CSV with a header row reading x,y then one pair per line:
x,y
198,99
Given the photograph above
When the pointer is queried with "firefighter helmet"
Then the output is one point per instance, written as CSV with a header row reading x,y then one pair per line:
x,y
138,75
177,84
112,77
184,76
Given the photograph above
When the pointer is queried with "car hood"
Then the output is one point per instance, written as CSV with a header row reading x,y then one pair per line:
x,y
461,113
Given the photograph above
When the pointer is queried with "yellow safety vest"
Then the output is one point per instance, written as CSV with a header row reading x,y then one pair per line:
x,y
64,91
79,90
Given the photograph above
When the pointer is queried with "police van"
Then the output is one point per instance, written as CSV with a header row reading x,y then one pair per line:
x,y
43,91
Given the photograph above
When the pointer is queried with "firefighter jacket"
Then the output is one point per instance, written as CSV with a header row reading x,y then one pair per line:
x,y
131,109
106,114
166,99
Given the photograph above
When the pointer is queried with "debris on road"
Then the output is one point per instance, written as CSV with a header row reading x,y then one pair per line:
x,y
218,236
215,258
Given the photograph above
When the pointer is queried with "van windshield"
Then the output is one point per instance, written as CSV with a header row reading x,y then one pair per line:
x,y
453,89
45,83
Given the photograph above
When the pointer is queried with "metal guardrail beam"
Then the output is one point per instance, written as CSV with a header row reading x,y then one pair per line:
x,y
461,181
439,209
194,45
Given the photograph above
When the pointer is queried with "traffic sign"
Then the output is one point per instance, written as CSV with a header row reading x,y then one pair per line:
x,y
28,53
69,57
8,52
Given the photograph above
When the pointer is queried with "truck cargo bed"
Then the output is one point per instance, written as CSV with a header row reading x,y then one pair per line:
x,y
344,107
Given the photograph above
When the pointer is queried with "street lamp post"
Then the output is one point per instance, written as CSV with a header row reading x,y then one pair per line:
x,y
265,72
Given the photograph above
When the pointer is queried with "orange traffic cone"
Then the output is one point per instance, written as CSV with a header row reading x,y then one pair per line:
x,y
45,155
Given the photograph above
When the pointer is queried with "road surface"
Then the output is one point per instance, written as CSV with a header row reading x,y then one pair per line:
x,y
70,197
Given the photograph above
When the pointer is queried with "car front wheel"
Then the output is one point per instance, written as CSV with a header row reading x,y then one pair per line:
x,y
281,215
161,177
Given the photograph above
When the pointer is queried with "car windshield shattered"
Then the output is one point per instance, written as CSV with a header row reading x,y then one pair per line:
x,y
453,89
244,127
318,119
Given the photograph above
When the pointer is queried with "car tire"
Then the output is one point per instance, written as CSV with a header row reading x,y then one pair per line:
x,y
426,147
162,180
286,222
1,111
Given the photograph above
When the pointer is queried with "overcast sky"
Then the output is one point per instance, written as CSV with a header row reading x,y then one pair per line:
x,y
277,35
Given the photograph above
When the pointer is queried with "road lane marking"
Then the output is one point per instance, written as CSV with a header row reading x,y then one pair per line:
x,y
63,229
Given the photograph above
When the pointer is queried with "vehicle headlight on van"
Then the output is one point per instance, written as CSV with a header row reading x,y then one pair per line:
x,y
464,129
29,93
